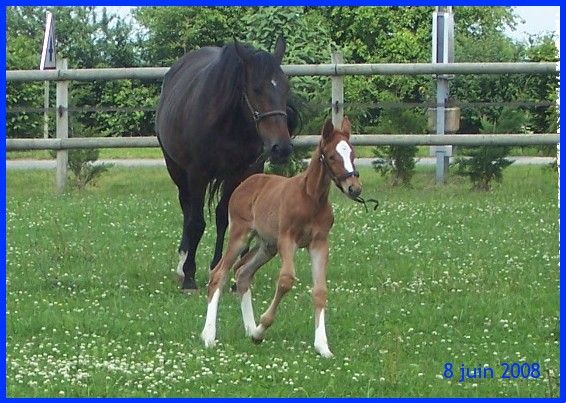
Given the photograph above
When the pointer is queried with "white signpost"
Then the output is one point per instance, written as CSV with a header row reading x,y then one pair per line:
x,y
48,61
48,52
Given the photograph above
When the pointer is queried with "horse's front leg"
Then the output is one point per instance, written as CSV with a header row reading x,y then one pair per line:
x,y
221,211
318,250
221,214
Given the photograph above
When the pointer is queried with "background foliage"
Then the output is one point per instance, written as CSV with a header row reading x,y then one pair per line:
x,y
91,38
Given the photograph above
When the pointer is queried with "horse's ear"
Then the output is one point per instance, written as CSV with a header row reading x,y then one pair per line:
x,y
239,50
327,130
279,49
346,127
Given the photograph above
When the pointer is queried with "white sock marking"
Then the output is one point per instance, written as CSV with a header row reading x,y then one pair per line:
x,y
320,342
248,312
345,151
208,334
182,259
258,332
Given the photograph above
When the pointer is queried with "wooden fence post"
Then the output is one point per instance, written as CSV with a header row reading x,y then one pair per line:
x,y
337,92
62,126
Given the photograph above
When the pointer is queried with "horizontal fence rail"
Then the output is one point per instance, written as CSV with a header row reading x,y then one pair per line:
x,y
157,73
300,141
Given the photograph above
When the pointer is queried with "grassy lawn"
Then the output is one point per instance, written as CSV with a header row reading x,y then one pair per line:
x,y
435,275
105,153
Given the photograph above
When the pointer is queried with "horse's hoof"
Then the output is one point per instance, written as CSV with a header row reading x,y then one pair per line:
x,y
189,286
234,287
189,291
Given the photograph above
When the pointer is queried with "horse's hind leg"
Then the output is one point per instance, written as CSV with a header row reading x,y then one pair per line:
x,y
238,235
191,198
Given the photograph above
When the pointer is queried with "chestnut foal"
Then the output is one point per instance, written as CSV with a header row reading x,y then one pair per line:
x,y
285,214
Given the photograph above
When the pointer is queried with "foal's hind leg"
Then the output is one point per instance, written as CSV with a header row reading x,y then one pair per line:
x,y
286,247
262,254
238,235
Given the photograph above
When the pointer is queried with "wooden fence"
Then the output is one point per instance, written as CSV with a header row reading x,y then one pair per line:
x,y
336,70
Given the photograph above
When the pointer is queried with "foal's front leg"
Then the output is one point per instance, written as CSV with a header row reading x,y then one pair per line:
x,y
318,250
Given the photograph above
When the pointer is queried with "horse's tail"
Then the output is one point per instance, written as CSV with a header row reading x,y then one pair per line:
x,y
214,186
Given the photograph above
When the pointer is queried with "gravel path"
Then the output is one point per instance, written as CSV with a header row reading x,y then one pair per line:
x,y
135,163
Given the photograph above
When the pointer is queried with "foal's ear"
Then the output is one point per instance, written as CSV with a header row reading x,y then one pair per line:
x,y
279,49
327,130
346,127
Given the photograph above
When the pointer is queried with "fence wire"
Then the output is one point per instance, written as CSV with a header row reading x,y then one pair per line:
x,y
321,106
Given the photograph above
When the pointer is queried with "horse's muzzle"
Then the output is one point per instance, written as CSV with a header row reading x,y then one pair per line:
x,y
280,153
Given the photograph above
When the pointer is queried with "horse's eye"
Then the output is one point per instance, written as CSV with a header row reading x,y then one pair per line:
x,y
331,157
257,90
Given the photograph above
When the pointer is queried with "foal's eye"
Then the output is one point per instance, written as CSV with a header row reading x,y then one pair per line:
x,y
331,157
257,90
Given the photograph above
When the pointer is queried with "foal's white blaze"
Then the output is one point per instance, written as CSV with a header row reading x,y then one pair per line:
x,y
208,334
182,259
345,151
320,341
248,312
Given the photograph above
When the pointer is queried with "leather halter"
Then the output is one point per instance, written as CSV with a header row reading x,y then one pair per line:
x,y
257,116
337,179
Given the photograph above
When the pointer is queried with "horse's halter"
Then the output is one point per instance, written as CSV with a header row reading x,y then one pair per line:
x,y
257,116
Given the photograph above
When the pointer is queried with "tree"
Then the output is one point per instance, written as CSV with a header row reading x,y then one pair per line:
x,y
169,32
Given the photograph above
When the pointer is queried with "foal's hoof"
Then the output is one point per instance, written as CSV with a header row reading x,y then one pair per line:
x,y
257,334
256,341
234,287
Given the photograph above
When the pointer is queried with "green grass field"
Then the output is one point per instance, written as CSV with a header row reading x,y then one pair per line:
x,y
435,275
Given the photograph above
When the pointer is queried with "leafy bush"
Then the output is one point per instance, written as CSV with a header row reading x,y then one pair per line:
x,y
486,163
83,163
398,161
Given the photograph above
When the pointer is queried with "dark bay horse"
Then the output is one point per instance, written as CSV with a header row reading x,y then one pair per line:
x,y
222,111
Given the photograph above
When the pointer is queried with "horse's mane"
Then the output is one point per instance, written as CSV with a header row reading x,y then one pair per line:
x,y
227,78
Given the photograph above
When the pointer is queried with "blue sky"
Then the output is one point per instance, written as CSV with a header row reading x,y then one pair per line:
x,y
538,19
